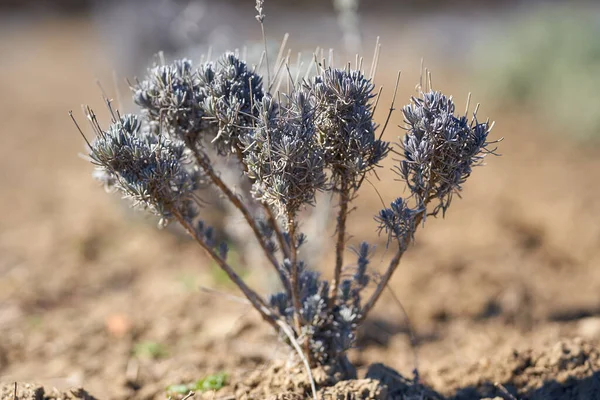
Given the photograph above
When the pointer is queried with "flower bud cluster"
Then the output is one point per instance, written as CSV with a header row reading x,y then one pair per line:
x,y
440,149
230,92
330,329
342,99
214,102
170,98
153,171
281,154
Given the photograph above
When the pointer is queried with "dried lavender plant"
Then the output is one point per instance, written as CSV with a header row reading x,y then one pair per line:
x,y
320,136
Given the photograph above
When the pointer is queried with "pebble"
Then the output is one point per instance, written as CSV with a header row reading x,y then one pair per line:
x,y
589,328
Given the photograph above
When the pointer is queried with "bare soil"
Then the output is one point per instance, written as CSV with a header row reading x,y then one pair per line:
x,y
502,295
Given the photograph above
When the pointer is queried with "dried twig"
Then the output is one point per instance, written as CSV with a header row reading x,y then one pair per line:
x,y
504,391
189,395
254,299
285,328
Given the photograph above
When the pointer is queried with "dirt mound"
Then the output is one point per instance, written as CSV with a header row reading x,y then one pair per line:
x,y
566,370
28,391
563,371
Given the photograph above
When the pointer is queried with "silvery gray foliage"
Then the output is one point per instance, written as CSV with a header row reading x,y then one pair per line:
x,y
398,221
329,328
342,99
170,98
282,155
213,103
153,171
440,149
230,92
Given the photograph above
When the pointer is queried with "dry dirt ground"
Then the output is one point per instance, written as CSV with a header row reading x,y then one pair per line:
x,y
502,295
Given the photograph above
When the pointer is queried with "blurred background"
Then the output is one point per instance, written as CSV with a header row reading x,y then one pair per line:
x,y
92,293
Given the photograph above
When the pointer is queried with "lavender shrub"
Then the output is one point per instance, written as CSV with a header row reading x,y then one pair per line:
x,y
319,136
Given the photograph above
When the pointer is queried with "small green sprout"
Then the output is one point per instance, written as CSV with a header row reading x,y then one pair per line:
x,y
210,382
149,349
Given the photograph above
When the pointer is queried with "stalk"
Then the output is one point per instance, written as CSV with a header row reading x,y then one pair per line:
x,y
385,279
341,238
295,287
285,249
270,215
294,273
254,299
204,163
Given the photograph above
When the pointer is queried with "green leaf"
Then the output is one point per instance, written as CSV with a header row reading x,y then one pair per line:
x,y
211,382
178,389
149,349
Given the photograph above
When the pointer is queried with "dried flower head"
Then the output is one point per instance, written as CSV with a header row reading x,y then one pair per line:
x,y
260,16
171,99
398,221
151,170
281,154
345,128
230,92
440,149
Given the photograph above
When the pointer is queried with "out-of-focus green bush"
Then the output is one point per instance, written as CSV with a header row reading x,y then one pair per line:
x,y
549,60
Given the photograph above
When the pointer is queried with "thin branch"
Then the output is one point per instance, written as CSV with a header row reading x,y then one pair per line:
x,y
260,62
411,333
282,48
376,191
79,129
420,85
290,79
228,296
290,334
298,69
256,301
294,281
204,163
278,68
375,59
295,284
285,250
385,279
387,120
341,238
280,77
377,99
504,391
261,18
189,395
313,62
